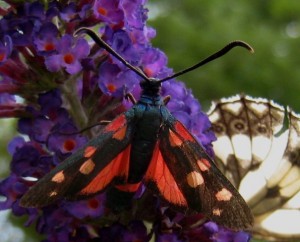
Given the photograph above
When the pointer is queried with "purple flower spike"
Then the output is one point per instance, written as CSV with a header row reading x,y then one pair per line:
x,y
15,144
7,99
69,55
26,160
113,81
169,238
122,43
50,102
46,40
8,193
135,231
200,127
5,48
91,208
68,13
108,11
64,141
154,62
68,84
135,14
220,234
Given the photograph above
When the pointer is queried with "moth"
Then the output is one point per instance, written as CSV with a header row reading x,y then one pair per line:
x,y
147,145
258,149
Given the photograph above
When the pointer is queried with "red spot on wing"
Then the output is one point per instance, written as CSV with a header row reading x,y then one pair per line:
x,y
87,167
183,132
203,164
120,134
174,139
223,195
89,151
217,212
159,173
118,167
194,179
59,177
116,124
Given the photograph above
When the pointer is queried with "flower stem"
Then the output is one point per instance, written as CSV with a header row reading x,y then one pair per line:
x,y
73,103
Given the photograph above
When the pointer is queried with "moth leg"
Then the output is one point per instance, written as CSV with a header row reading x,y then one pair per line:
x,y
131,98
167,99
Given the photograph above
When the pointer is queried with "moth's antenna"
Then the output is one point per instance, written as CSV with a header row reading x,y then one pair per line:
x,y
214,56
110,50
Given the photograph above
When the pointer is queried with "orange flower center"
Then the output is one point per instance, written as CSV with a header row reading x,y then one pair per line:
x,y
148,72
93,203
111,87
102,11
49,46
2,56
69,144
69,58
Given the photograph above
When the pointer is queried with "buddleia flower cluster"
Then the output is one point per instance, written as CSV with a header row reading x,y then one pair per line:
x,y
56,85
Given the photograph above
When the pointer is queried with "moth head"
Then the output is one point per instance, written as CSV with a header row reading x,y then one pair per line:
x,y
151,86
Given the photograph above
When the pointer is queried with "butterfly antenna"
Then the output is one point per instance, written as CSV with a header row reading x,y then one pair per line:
x,y
110,50
212,57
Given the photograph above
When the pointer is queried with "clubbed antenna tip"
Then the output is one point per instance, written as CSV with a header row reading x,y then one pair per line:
x,y
212,57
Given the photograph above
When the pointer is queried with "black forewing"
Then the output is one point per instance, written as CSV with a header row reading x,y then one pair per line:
x,y
182,154
68,178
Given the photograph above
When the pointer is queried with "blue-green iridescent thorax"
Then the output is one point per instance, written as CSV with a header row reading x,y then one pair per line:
x,y
149,114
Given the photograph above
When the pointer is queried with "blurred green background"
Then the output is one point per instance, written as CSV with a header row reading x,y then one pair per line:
x,y
189,30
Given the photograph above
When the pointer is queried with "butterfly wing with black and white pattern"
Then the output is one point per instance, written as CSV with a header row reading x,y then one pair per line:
x,y
261,158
